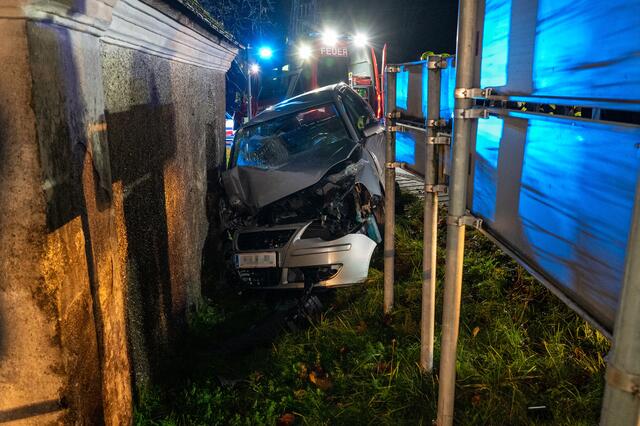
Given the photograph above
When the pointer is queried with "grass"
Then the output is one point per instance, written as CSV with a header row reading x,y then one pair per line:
x,y
519,347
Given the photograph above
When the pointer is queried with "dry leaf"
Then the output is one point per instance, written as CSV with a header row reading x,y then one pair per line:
x,y
286,419
320,380
475,331
361,327
475,400
383,367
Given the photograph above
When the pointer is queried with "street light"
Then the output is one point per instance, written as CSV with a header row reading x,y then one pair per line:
x,y
265,52
254,69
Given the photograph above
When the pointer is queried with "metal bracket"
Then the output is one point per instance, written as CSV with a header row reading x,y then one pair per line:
x,y
622,380
439,140
468,220
393,114
471,93
436,63
393,69
395,165
393,128
471,113
435,188
436,123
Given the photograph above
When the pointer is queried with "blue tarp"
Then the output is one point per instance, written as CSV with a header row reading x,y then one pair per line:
x,y
560,192
565,49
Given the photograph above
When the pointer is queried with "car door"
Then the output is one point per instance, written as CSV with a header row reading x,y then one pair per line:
x,y
361,115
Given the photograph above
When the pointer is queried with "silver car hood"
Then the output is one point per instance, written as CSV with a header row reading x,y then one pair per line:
x,y
256,187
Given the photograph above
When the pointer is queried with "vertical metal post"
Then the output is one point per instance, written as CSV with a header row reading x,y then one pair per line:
x,y
427,322
390,213
465,57
250,100
621,405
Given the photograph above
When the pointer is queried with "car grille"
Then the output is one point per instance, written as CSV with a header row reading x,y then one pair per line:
x,y
264,277
264,240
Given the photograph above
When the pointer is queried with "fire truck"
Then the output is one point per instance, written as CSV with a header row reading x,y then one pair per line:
x,y
328,58
321,59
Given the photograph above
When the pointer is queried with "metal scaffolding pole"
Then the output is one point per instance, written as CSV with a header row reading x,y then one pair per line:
x,y
390,212
427,322
249,95
621,405
465,57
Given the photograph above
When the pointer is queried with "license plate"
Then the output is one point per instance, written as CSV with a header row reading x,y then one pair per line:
x,y
256,260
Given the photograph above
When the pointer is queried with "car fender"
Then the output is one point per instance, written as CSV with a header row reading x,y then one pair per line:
x,y
368,177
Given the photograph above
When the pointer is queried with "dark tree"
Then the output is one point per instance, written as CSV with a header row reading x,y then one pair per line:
x,y
245,19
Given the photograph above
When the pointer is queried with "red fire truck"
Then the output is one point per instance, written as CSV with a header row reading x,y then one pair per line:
x,y
328,57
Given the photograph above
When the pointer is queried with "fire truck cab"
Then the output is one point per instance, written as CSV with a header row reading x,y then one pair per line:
x,y
326,58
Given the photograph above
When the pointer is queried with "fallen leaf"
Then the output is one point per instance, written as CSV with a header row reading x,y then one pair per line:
x,y
287,419
320,380
383,367
475,331
361,327
475,400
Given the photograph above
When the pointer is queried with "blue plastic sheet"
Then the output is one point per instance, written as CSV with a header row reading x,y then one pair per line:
x,y
560,192
447,90
425,89
486,166
572,50
402,89
495,43
406,148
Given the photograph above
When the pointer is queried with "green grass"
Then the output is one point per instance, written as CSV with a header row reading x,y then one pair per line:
x,y
519,347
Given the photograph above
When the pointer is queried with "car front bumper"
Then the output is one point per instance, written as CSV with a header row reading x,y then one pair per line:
x,y
340,262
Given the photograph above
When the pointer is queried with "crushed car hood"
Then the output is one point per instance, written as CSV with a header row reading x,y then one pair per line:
x,y
256,187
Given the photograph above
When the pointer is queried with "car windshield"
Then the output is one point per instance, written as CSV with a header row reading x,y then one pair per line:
x,y
276,142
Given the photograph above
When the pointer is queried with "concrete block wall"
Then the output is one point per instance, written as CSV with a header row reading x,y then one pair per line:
x,y
111,118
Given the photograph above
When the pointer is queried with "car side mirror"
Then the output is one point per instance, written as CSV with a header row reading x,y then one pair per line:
x,y
372,129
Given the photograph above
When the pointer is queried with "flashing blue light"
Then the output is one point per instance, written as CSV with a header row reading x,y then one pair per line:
x,y
265,52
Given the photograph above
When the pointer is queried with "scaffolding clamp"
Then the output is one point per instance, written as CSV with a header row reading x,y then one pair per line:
x,y
623,381
393,115
435,188
395,165
468,220
393,128
439,140
471,113
440,122
436,63
472,93
393,69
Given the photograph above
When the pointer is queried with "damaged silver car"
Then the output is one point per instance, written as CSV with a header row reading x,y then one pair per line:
x,y
305,191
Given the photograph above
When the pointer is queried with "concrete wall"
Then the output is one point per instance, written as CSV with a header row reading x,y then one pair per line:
x,y
106,142
161,124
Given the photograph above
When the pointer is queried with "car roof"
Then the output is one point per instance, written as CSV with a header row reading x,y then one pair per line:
x,y
306,100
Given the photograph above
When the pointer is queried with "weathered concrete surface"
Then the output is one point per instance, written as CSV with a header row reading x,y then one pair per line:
x,y
30,353
106,162
161,124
